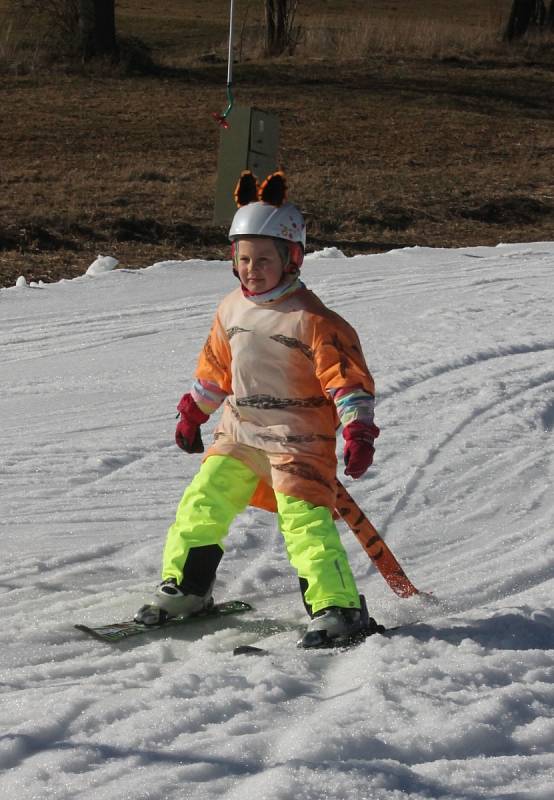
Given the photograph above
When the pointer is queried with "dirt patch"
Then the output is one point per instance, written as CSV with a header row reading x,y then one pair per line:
x,y
512,211
381,153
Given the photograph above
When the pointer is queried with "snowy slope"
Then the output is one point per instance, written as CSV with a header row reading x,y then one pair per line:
x,y
460,706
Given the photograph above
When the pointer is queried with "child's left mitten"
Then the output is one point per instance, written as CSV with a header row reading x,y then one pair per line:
x,y
358,447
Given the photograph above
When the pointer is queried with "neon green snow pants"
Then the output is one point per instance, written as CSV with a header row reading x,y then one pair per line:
x,y
222,489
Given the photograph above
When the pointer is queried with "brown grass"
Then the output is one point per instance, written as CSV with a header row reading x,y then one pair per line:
x,y
437,138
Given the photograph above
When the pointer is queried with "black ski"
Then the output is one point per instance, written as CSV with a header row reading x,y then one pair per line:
x,y
341,644
118,631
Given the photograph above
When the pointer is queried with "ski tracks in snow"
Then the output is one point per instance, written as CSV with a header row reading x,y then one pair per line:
x,y
455,707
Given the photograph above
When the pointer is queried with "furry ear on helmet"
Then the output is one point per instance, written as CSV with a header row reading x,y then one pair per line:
x,y
274,189
247,188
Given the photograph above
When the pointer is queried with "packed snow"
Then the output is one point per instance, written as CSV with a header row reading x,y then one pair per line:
x,y
102,264
456,705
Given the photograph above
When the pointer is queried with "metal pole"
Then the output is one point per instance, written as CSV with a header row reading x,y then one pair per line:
x,y
230,54
221,119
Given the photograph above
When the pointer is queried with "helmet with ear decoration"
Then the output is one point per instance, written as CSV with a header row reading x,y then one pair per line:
x,y
264,211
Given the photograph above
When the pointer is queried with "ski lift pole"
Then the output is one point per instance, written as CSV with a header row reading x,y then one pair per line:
x,y
221,119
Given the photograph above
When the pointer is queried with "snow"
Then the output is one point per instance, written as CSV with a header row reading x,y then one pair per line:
x,y
102,264
458,706
327,252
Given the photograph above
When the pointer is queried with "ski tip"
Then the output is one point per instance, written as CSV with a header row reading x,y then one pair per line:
x,y
249,650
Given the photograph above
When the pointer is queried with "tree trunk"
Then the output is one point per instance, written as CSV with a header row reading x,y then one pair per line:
x,y
97,29
550,16
523,15
277,16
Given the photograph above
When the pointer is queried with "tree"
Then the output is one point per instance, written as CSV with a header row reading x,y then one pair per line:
x,y
67,31
525,14
77,27
97,28
550,16
281,33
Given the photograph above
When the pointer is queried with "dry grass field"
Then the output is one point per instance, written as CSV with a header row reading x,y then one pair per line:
x,y
401,123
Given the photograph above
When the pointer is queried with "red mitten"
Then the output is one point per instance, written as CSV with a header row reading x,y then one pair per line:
x,y
358,447
187,433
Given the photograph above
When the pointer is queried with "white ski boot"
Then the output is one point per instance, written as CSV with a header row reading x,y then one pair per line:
x,y
171,601
334,626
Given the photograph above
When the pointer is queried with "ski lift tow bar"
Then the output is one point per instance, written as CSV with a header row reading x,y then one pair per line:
x,y
221,119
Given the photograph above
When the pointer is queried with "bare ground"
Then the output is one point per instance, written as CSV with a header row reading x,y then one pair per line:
x,y
381,154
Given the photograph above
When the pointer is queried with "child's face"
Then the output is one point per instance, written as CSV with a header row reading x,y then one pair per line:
x,y
259,264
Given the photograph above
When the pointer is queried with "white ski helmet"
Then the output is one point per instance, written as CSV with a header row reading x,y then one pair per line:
x,y
262,219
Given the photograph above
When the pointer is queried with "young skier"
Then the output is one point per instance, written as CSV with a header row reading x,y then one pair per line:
x,y
288,372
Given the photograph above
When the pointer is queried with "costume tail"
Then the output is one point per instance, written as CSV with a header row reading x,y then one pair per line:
x,y
373,544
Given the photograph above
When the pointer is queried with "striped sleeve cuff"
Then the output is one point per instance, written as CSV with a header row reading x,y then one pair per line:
x,y
208,396
354,405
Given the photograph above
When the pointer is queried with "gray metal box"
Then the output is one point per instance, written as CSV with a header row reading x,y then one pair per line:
x,y
250,142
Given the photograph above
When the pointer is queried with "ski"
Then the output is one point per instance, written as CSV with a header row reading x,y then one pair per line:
x,y
339,645
119,631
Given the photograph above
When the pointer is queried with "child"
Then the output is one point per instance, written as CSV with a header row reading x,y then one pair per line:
x,y
288,371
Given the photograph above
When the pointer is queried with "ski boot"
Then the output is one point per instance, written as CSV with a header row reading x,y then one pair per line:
x,y
171,601
337,627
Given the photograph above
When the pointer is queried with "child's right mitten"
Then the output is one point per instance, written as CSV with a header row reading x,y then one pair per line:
x,y
187,433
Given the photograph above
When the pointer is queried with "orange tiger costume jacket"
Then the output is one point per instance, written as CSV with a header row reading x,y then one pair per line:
x,y
278,364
